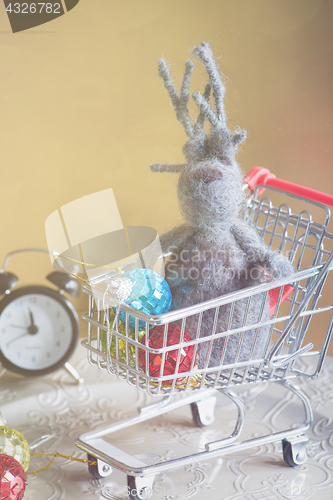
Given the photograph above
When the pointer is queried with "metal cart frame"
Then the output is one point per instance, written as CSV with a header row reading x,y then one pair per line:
x,y
293,305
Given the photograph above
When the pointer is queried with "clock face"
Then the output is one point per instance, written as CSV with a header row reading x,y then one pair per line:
x,y
38,330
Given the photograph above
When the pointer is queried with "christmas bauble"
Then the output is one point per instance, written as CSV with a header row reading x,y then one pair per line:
x,y
150,294
121,343
155,341
12,478
13,443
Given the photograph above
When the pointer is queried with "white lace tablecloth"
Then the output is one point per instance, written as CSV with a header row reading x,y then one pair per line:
x,y
55,405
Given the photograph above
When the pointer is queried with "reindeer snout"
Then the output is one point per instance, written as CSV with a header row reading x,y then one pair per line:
x,y
208,175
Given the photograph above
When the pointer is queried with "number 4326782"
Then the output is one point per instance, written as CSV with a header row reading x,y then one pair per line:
x,y
33,8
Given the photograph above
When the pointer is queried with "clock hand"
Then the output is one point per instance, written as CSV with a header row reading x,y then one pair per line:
x,y
31,318
16,338
32,329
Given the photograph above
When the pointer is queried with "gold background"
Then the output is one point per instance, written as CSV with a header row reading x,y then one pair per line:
x,y
83,109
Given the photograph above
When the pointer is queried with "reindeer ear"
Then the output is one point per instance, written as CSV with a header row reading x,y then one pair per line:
x,y
238,137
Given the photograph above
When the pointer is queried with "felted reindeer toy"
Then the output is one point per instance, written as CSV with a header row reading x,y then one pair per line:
x,y
214,252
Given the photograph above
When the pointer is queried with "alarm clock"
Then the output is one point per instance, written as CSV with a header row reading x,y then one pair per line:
x,y
39,327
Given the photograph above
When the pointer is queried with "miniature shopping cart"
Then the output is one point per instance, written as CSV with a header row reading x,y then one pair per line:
x,y
291,219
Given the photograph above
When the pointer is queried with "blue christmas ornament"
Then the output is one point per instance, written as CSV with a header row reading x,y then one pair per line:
x,y
150,294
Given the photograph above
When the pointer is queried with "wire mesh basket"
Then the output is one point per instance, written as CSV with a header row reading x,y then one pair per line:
x,y
292,305
292,219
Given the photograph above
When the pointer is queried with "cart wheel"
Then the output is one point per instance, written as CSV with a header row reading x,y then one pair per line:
x,y
99,469
294,451
135,492
203,412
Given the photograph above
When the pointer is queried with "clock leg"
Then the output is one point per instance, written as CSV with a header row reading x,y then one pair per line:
x,y
2,370
71,370
41,440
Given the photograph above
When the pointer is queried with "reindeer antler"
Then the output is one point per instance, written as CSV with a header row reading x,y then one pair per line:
x,y
179,102
196,148
206,56
201,118
180,105
217,118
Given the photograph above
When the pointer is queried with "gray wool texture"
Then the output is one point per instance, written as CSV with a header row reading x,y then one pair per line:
x,y
215,252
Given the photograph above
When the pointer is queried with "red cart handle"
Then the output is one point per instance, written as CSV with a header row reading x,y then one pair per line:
x,y
260,175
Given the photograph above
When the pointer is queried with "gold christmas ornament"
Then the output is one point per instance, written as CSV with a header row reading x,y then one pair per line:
x,y
13,443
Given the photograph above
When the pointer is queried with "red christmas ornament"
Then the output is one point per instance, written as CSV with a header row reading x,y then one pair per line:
x,y
155,341
12,479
